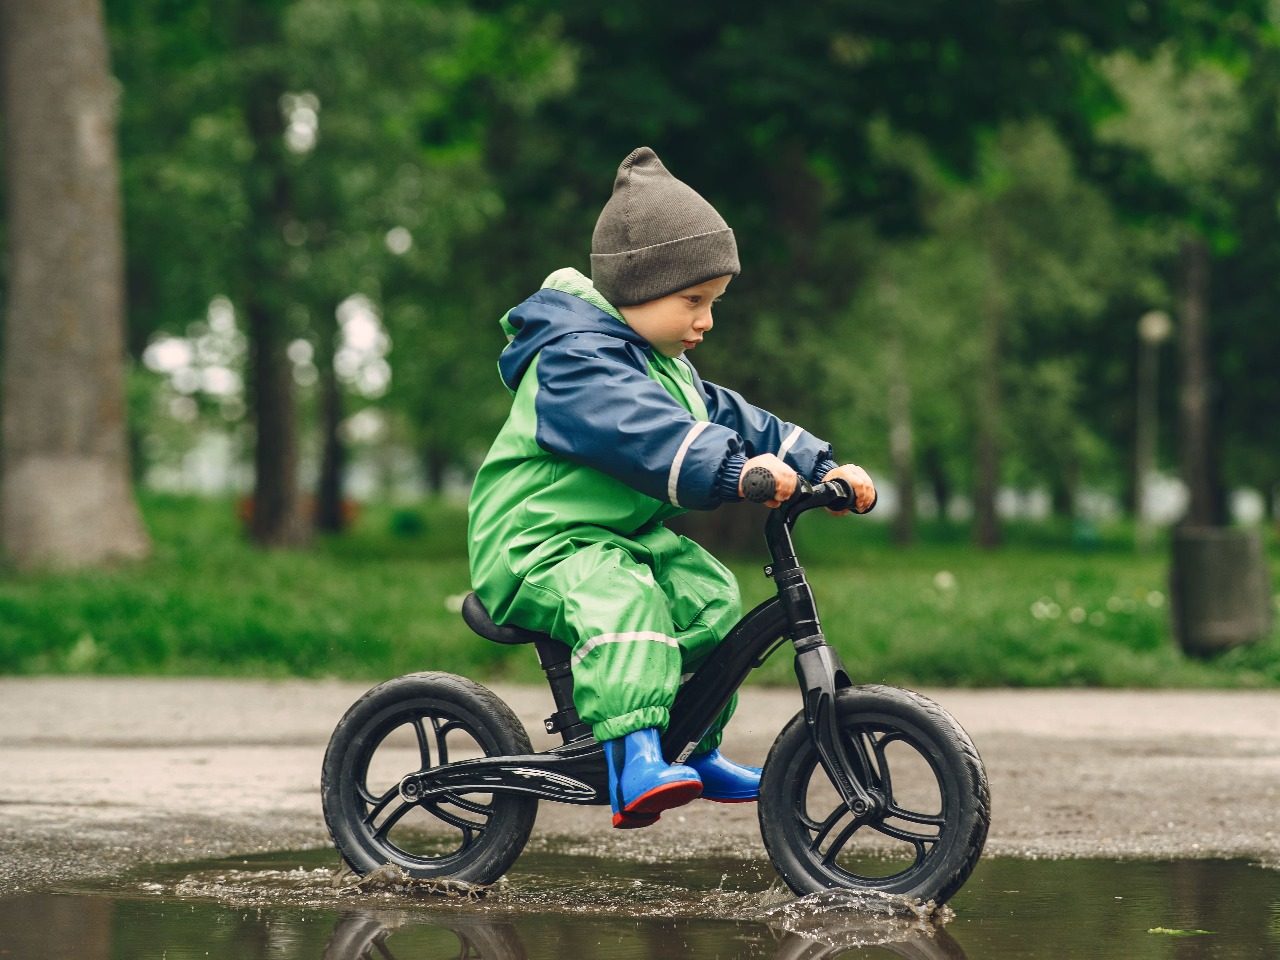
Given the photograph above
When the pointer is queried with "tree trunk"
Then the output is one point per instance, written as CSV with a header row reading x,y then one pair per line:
x,y
939,482
1220,584
901,444
1144,441
66,500
1194,434
986,530
277,509
1062,491
434,462
278,519
333,460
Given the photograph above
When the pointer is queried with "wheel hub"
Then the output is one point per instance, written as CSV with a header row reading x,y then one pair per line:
x,y
871,808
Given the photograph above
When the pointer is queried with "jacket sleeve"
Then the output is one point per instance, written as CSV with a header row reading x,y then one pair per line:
x,y
596,405
762,432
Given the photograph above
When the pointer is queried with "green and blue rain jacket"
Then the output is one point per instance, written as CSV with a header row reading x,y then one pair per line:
x,y
606,437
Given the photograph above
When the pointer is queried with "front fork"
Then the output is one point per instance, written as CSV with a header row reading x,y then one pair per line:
x,y
821,675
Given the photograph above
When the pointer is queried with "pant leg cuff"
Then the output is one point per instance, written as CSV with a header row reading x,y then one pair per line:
x,y
641,719
709,742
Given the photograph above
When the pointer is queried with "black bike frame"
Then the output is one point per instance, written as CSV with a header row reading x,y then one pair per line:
x,y
575,771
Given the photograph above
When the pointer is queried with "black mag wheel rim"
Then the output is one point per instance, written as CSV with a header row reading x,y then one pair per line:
x,y
829,831
434,833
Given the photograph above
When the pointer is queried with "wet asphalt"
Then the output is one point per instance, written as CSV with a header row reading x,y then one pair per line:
x,y
102,775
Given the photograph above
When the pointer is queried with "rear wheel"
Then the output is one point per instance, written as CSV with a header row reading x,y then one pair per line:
x,y
405,726
933,803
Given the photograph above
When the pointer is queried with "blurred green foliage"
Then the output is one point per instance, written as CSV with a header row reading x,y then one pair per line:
x,y
382,601
896,175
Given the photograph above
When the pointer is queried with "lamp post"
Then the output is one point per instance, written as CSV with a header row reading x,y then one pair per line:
x,y
1154,328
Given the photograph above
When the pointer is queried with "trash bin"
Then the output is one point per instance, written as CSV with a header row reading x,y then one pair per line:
x,y
1219,588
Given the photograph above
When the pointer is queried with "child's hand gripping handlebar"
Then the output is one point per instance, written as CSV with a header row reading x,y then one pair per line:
x,y
767,479
864,490
759,485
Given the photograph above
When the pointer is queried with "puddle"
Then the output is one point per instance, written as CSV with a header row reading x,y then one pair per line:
x,y
286,906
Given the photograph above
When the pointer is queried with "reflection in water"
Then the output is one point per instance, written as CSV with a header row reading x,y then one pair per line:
x,y
356,936
361,935
364,936
286,907
43,926
920,946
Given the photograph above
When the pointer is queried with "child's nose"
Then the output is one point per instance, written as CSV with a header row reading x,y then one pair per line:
x,y
704,322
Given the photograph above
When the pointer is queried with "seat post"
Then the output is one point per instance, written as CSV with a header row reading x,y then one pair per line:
x,y
554,658
552,654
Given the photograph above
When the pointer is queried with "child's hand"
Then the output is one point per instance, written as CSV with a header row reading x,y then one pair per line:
x,y
784,478
864,491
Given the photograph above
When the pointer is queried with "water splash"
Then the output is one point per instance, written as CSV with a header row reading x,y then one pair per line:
x,y
390,878
856,918
319,887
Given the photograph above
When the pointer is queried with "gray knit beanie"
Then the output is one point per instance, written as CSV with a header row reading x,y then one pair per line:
x,y
656,235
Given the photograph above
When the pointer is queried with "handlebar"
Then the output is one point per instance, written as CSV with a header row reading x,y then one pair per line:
x,y
835,494
758,486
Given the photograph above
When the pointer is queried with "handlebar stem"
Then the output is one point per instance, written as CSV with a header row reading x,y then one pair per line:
x,y
818,668
793,587
807,497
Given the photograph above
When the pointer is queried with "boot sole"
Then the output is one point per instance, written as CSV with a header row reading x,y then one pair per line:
x,y
732,799
625,821
665,797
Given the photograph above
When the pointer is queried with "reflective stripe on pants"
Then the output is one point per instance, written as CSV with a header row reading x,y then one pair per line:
x,y
639,613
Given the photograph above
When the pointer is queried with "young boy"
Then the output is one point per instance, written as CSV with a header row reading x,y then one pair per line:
x,y
611,432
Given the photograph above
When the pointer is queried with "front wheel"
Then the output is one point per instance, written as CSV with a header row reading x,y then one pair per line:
x,y
933,803
405,726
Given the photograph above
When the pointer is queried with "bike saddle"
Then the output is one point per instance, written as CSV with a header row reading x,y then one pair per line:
x,y
478,619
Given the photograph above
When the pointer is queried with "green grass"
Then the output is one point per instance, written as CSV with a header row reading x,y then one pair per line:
x,y
380,601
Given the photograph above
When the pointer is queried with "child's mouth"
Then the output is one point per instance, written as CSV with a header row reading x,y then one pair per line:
x,y
690,344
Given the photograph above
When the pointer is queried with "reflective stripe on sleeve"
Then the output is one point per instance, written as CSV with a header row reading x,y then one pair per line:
x,y
636,635
788,443
673,479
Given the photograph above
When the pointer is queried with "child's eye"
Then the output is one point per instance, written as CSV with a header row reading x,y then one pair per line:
x,y
694,299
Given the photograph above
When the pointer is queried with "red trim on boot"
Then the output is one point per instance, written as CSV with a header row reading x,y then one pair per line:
x,y
665,796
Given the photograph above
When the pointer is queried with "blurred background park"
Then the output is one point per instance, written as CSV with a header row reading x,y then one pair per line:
x,y
1019,259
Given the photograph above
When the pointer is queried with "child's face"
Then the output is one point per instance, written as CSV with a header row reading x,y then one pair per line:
x,y
677,322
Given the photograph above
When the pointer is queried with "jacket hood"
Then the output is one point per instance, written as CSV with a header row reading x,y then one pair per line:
x,y
567,303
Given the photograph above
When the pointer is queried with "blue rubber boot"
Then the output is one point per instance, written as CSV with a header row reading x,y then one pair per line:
x,y
725,781
641,782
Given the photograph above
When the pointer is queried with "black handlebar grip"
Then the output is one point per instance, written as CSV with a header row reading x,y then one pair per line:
x,y
848,500
758,485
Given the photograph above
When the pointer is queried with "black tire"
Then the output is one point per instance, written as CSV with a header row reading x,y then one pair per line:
x,y
936,812
406,725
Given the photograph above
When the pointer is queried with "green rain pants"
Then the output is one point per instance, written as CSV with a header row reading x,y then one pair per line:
x,y
640,613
